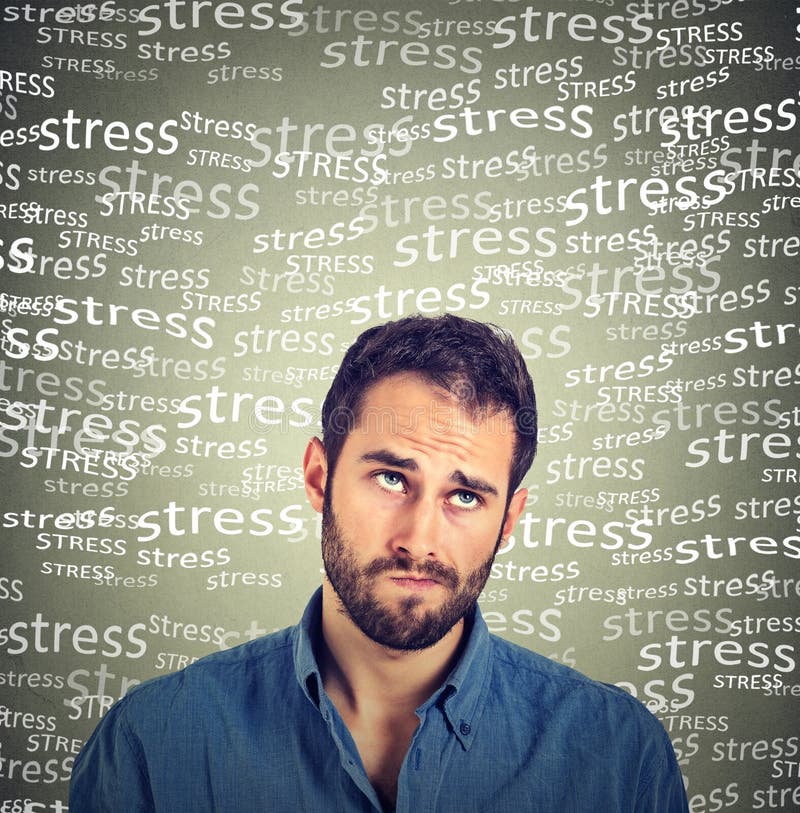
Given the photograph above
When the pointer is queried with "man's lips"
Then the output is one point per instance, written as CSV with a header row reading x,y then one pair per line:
x,y
425,574
414,582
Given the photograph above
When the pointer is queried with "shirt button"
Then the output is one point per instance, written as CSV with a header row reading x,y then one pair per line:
x,y
465,728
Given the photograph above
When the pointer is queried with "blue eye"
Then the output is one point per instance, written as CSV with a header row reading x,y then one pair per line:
x,y
466,499
390,481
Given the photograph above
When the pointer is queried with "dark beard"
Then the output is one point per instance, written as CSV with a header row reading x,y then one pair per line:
x,y
403,628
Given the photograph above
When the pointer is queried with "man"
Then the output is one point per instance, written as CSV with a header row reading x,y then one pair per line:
x,y
391,694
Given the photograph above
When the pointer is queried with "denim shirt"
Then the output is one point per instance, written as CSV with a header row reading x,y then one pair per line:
x,y
251,729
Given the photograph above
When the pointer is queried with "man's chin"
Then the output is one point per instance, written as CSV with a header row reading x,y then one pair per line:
x,y
396,611
406,624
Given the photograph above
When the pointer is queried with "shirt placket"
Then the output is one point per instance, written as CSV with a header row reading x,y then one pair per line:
x,y
348,754
421,774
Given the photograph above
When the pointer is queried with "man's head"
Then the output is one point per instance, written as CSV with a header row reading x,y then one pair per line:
x,y
429,426
477,363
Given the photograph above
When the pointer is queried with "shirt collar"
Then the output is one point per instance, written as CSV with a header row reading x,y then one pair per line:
x,y
461,696
306,636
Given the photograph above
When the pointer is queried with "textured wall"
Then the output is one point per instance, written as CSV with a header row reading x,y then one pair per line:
x,y
203,204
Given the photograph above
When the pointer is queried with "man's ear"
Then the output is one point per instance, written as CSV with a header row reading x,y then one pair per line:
x,y
315,473
513,511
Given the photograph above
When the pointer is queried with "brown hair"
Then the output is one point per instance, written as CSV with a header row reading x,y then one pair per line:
x,y
478,363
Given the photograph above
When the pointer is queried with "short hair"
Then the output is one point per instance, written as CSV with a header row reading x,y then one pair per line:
x,y
477,363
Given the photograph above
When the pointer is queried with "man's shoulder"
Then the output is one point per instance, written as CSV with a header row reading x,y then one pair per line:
x,y
521,660
263,659
538,679
550,708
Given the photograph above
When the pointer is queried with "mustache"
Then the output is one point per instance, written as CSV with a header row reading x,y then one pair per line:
x,y
425,570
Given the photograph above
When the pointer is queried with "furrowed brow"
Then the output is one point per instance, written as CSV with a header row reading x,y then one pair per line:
x,y
386,457
473,483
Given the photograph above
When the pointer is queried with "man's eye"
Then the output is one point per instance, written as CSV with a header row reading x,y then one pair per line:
x,y
465,499
390,481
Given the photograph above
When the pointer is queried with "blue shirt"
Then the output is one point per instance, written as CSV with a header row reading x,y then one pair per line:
x,y
252,730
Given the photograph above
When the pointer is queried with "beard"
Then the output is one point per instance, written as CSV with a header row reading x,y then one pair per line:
x,y
403,627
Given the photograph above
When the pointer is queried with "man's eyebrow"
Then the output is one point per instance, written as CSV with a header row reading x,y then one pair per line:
x,y
473,483
387,458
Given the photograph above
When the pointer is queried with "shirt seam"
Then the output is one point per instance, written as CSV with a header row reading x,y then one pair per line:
x,y
658,769
575,680
210,661
135,746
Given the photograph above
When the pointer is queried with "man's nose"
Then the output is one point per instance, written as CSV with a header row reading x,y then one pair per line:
x,y
418,531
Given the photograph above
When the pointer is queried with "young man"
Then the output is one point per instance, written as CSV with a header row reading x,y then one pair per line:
x,y
391,695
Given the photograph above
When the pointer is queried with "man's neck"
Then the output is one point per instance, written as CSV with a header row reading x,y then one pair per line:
x,y
368,675
377,690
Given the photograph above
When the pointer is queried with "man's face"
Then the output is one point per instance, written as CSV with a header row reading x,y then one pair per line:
x,y
415,512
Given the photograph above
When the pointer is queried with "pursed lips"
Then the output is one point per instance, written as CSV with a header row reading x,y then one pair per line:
x,y
414,582
419,574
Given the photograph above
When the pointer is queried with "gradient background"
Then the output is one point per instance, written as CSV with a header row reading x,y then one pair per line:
x,y
559,331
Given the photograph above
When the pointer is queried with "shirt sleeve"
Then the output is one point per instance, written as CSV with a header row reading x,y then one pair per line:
x,y
665,791
109,774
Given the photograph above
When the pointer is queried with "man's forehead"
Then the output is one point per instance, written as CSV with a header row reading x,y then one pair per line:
x,y
408,409
408,400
